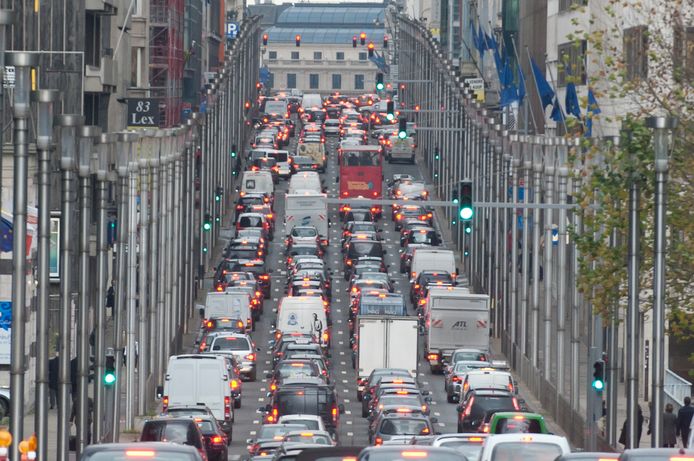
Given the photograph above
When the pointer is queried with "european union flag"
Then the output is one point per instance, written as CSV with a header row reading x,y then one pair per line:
x,y
571,101
543,88
6,237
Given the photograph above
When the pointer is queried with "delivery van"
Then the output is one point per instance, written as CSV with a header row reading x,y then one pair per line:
x,y
232,304
303,314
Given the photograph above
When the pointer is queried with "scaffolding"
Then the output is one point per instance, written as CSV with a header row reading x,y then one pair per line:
x,y
166,58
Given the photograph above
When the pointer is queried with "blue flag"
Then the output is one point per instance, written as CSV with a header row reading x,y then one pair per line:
x,y
475,37
571,101
483,44
543,87
592,109
557,114
6,237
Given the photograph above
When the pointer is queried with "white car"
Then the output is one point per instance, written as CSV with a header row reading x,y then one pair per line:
x,y
312,422
539,447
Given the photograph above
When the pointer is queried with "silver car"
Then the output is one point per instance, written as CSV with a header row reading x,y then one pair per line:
x,y
455,375
241,347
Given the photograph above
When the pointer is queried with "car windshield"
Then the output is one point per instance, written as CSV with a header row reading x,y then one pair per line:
x,y
169,431
206,427
518,424
303,251
230,344
278,156
381,308
318,439
310,424
517,451
297,369
471,450
422,236
407,454
365,249
468,355
399,400
304,232
271,431
405,426
127,454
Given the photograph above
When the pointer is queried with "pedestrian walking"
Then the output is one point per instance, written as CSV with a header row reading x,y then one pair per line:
x,y
669,427
53,367
639,429
684,421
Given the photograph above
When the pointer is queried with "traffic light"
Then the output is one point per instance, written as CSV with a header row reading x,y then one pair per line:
x,y
467,226
437,154
371,47
218,194
362,38
455,198
402,128
112,231
465,212
599,375
110,370
385,41
390,110
247,106
233,151
379,82
297,39
265,37
207,223
354,41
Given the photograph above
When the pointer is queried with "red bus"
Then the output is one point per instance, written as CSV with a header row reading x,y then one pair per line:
x,y
361,174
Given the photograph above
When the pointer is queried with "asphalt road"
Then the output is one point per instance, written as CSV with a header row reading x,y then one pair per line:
x,y
352,427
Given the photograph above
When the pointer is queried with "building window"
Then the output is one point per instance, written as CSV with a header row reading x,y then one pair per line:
x,y
92,45
359,81
291,80
272,55
362,56
337,81
636,52
683,52
295,55
340,55
271,81
317,55
313,81
569,5
572,63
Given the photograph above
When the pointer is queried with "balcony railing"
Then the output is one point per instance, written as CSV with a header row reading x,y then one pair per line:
x,y
676,389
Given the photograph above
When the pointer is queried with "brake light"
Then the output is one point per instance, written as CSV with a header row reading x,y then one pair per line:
x,y
349,262
242,193
139,454
424,408
273,387
266,200
234,384
220,288
404,410
456,379
334,413
468,410
515,404
325,337
378,441
475,439
414,454
485,428
227,407
165,403
433,356
264,277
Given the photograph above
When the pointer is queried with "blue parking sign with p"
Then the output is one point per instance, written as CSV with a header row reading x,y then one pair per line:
x,y
232,29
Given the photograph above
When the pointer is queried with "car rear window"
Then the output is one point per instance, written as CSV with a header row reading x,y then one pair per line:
x,y
408,454
171,431
297,369
469,355
278,156
357,249
304,232
230,344
484,404
242,253
251,221
517,425
303,251
304,401
405,426
129,454
520,450
269,431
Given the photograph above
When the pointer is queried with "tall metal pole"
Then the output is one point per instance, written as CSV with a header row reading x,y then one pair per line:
x,y
561,289
661,131
7,18
632,339
68,134
535,296
21,112
44,145
88,134
549,197
106,150
155,279
145,341
576,299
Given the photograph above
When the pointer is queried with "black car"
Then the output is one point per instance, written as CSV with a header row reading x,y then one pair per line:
x,y
421,235
474,410
308,397
359,248
216,441
359,214
426,278
258,269
303,163
183,431
329,453
247,200
244,250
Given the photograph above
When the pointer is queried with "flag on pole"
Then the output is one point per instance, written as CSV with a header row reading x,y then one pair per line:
x,y
592,109
557,113
6,237
571,101
543,87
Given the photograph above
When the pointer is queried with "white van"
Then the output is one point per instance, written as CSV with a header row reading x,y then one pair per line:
x,y
305,181
312,100
426,259
276,107
200,379
303,314
307,209
232,304
257,182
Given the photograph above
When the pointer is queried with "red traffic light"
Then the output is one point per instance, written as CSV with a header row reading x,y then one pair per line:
x,y
371,48
247,105
257,85
298,40
354,41
362,37
265,37
385,41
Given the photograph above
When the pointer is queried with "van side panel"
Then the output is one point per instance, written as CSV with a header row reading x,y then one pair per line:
x,y
211,388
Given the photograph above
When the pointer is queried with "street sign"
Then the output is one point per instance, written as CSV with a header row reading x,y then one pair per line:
x,y
477,86
143,112
232,30
8,77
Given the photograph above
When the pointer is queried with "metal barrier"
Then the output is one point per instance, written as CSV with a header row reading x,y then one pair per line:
x,y
676,389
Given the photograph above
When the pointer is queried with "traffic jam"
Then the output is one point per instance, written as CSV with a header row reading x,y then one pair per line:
x,y
335,327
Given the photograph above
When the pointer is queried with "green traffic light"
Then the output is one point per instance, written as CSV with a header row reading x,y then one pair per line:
x,y
466,213
233,154
390,116
204,249
379,86
598,385
437,157
109,378
207,226
217,198
456,201
402,134
468,228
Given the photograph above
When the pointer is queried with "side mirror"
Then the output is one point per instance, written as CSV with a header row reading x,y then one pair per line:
x,y
201,311
269,394
367,397
337,179
262,409
250,441
341,408
257,349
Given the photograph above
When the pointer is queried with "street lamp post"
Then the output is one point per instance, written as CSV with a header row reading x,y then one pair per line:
x,y
88,136
44,145
662,126
70,125
21,109
105,156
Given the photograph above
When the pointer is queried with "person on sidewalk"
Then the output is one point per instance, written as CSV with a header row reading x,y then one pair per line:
x,y
684,421
53,367
639,429
669,427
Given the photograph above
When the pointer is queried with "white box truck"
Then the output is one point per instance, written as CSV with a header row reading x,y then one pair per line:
x,y
385,341
454,318
309,209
